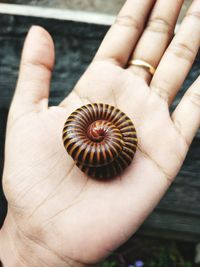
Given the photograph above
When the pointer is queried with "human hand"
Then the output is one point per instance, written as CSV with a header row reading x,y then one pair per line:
x,y
57,216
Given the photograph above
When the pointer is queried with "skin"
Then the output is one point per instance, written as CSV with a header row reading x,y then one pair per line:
x,y
57,216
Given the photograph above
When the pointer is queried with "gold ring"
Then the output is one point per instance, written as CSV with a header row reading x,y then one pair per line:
x,y
142,63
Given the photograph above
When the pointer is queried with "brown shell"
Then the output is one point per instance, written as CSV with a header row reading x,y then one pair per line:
x,y
101,139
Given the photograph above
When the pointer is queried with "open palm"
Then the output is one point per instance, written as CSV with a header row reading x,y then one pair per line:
x,y
60,213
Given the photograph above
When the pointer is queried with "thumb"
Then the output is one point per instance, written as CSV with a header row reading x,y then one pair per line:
x,y
36,66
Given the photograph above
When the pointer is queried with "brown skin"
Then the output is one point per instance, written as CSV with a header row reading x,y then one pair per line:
x,y
57,216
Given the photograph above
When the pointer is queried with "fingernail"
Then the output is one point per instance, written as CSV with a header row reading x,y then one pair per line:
x,y
33,27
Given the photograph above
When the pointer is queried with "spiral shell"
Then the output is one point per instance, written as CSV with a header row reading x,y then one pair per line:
x,y
101,139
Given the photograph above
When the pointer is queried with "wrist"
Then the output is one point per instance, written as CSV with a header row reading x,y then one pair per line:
x,y
17,250
8,252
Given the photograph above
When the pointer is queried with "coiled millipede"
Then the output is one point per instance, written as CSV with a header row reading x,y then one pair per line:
x,y
101,139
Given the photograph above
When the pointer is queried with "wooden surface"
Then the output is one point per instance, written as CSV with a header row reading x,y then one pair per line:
x,y
178,214
102,6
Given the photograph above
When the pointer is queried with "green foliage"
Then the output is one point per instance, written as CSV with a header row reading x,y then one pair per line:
x,y
160,255
162,261
168,258
109,264
164,257
187,264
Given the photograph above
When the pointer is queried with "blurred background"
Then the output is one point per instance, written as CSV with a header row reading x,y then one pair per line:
x,y
171,235
103,6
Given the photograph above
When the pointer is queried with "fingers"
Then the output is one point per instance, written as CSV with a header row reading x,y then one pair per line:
x,y
123,35
157,35
187,114
37,61
179,56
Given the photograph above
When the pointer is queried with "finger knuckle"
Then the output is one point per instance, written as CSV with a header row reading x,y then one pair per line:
x,y
161,92
194,98
128,21
186,142
193,15
39,64
160,25
183,51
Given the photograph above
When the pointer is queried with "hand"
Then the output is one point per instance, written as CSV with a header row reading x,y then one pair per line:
x,y
57,216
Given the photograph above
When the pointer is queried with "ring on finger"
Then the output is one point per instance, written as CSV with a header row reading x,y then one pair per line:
x,y
143,64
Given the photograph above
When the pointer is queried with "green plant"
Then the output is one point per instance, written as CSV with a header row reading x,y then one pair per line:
x,y
108,264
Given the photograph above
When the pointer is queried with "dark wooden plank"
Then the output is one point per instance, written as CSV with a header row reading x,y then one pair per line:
x,y
172,226
178,214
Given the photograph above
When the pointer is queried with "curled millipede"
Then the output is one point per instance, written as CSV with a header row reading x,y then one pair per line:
x,y
101,139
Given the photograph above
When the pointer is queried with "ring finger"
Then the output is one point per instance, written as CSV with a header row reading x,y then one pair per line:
x,y
157,35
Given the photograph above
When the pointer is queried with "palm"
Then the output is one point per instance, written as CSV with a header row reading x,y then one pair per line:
x,y
49,192
61,215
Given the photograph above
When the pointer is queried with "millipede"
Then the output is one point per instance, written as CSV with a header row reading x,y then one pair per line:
x,y
101,139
